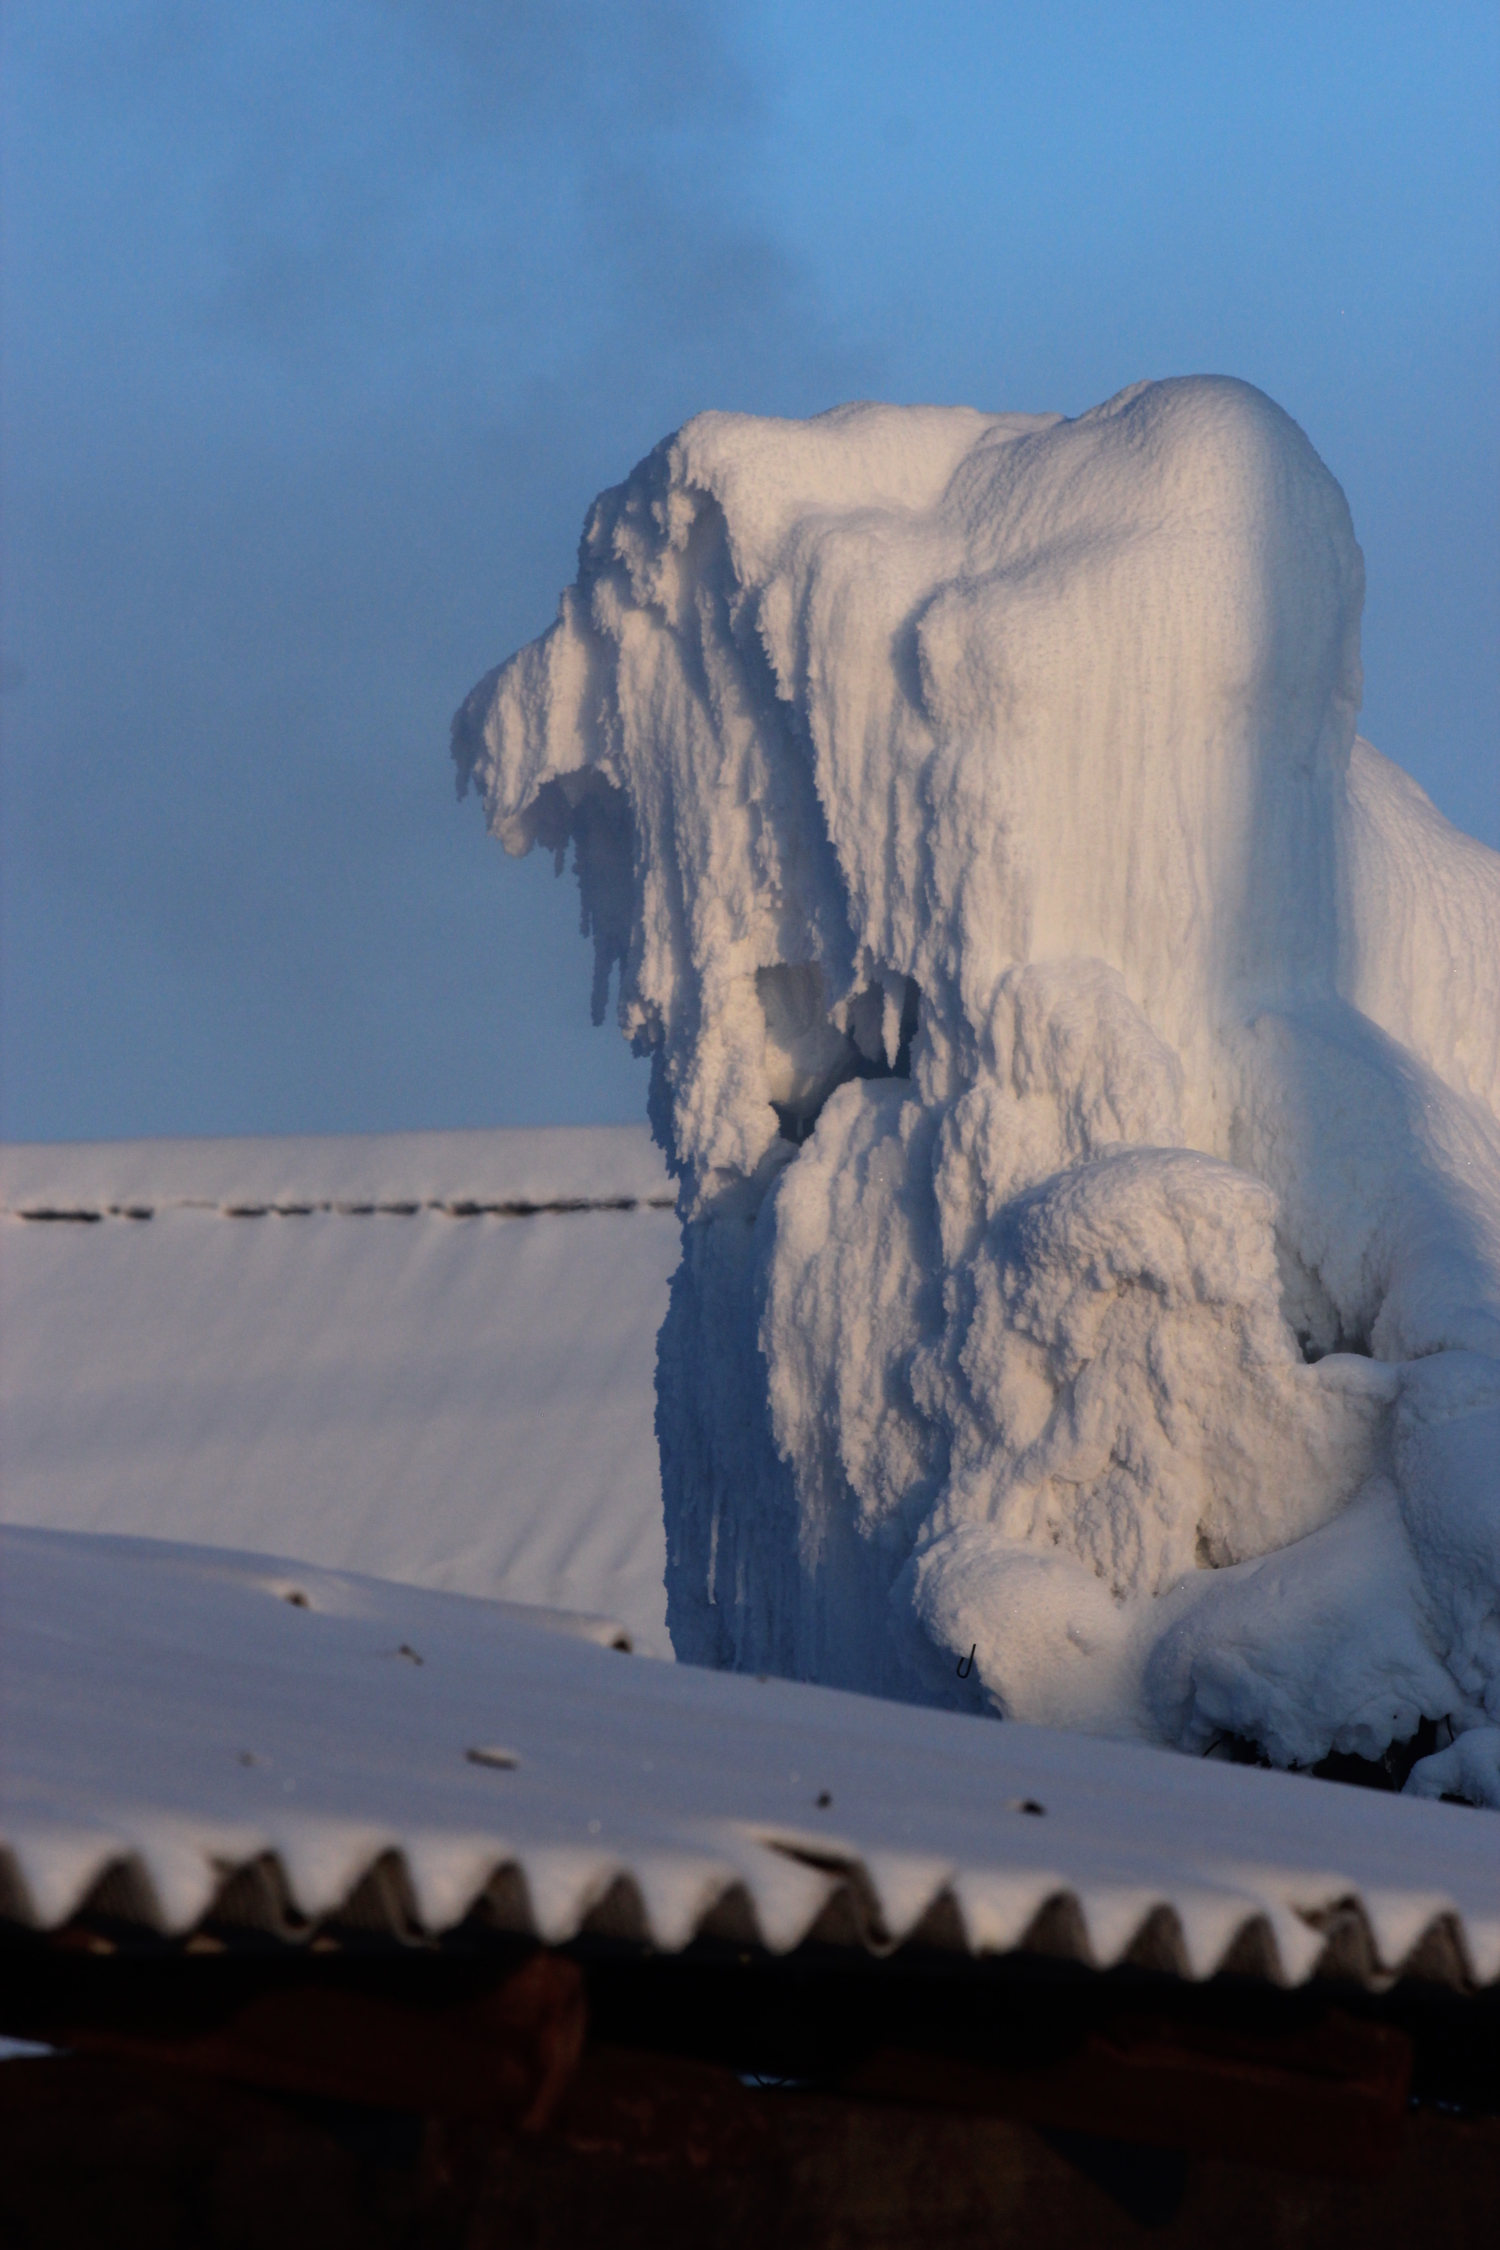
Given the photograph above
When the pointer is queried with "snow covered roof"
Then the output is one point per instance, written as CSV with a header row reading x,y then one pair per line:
x,y
429,1356
196,1738
461,1401
506,1170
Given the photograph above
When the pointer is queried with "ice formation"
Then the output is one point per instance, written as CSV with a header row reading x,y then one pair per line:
x,y
1080,1054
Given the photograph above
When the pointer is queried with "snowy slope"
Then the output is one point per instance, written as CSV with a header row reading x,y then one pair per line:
x,y
370,1367
1081,1054
192,1734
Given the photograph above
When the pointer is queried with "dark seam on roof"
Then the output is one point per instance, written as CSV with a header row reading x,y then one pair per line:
x,y
467,1208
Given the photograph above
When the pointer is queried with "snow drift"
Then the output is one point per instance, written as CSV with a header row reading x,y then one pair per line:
x,y
1080,1054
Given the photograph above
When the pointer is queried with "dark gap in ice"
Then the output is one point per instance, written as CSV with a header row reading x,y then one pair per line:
x,y
1388,1772
1235,1750
1390,1769
796,1122
791,1124
911,1012
1313,1351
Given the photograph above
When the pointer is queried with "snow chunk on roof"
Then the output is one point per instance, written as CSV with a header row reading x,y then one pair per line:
x,y
1080,1054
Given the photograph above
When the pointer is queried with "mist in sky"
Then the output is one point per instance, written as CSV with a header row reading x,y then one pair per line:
x,y
325,321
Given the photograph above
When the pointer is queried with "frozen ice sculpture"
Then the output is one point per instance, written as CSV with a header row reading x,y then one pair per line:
x,y
1080,1054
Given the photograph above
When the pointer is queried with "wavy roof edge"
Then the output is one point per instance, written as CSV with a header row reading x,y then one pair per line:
x,y
504,1168
211,1746
840,1905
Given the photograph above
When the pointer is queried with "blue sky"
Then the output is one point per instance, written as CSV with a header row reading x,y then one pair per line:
x,y
325,319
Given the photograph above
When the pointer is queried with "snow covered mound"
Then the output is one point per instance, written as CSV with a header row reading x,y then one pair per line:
x,y
1081,1057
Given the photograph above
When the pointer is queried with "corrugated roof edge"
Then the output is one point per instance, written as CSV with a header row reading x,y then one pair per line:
x,y
274,1750
841,1906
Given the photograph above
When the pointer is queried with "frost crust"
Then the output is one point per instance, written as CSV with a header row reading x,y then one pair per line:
x,y
1080,1055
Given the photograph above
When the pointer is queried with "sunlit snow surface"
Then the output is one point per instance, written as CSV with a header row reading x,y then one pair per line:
x,y
1080,1054
425,1356
192,1734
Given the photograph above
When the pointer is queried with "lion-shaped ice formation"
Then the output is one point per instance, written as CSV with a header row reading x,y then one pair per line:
x,y
1080,1055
